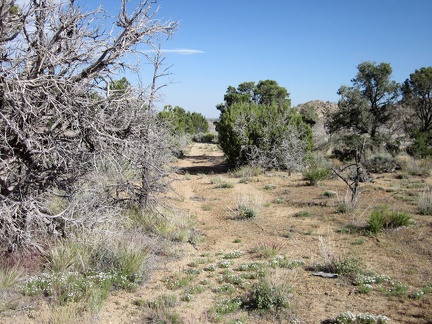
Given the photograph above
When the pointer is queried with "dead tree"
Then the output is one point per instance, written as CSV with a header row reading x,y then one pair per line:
x,y
353,173
55,114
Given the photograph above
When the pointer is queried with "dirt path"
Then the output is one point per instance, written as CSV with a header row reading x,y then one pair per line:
x,y
314,299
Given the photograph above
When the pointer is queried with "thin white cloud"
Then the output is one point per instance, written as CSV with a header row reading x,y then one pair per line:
x,y
181,51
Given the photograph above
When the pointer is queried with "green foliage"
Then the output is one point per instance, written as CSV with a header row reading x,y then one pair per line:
x,y
329,194
381,218
184,122
268,249
347,146
421,145
225,184
247,207
398,289
318,170
266,92
364,289
417,98
368,104
366,111
251,133
257,126
378,220
347,266
119,87
68,256
246,212
267,296
81,269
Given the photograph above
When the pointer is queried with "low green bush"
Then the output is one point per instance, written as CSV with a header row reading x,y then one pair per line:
x,y
318,170
247,207
267,296
381,218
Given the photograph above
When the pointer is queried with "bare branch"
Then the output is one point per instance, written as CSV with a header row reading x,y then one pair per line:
x,y
57,115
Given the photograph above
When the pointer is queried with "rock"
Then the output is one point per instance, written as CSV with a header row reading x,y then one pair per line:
x,y
325,274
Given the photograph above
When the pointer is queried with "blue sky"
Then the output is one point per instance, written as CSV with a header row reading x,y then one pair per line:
x,y
310,47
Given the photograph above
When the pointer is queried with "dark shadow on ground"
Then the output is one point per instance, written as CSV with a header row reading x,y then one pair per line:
x,y
212,165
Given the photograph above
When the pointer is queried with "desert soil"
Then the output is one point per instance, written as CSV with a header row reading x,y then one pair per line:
x,y
404,254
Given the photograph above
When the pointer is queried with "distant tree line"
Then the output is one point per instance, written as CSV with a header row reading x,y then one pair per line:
x,y
184,122
258,126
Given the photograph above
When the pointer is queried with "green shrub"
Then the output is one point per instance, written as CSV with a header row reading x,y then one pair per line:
x,y
279,200
246,207
183,121
421,146
347,266
268,249
329,194
378,219
398,289
318,170
399,219
365,289
271,136
246,212
315,175
381,218
267,296
132,262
